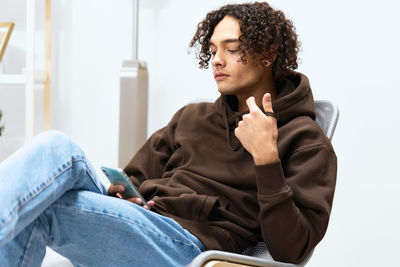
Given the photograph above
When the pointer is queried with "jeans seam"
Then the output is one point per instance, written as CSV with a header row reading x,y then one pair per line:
x,y
149,230
28,245
47,184
92,177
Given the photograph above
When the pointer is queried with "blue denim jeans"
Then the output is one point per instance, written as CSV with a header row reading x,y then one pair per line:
x,y
50,195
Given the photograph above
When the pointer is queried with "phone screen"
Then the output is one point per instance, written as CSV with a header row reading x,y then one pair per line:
x,y
119,177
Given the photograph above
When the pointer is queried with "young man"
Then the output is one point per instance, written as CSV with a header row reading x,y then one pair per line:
x,y
252,166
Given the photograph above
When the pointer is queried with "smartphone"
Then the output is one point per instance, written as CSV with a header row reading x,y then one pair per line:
x,y
119,177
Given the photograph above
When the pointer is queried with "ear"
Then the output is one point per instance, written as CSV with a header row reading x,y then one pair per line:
x,y
268,60
267,63
270,56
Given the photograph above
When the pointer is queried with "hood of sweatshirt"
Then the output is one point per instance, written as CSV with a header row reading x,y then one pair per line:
x,y
294,99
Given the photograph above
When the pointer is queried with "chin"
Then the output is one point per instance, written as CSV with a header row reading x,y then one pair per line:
x,y
226,91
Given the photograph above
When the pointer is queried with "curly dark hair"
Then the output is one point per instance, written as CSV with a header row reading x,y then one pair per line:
x,y
264,31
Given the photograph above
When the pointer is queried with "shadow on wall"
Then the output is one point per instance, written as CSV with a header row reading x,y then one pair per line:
x,y
13,60
157,4
12,106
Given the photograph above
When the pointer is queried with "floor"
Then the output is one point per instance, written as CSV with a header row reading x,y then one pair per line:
x,y
53,259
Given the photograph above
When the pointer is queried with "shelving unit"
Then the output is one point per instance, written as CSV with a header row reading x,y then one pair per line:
x,y
31,76
12,79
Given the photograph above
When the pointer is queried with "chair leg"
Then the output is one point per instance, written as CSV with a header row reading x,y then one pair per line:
x,y
216,263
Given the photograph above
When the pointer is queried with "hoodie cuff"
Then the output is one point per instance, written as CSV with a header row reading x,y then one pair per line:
x,y
270,179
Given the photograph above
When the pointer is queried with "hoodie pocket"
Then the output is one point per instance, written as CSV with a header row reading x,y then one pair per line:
x,y
187,206
208,205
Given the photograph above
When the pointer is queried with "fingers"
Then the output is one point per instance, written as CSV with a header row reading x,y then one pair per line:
x,y
113,190
150,204
267,103
138,201
135,200
117,190
251,103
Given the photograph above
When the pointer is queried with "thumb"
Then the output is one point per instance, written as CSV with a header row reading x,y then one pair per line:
x,y
267,103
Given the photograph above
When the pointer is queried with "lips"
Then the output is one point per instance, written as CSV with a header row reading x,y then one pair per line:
x,y
219,76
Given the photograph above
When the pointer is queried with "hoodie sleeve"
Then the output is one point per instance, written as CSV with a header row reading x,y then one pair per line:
x,y
150,161
295,205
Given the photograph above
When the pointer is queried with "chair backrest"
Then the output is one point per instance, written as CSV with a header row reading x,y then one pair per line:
x,y
327,118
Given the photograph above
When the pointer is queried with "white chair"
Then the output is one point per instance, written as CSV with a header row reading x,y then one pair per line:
x,y
327,118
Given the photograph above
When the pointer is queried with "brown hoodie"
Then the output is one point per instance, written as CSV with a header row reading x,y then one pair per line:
x,y
198,173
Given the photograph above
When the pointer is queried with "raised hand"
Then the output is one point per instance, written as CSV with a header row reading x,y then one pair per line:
x,y
258,132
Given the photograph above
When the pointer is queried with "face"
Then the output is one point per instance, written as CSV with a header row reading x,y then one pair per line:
x,y
231,75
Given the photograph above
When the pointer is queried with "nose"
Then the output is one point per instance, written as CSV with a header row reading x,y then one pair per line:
x,y
218,60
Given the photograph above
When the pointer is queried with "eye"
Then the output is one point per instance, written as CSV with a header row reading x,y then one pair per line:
x,y
233,51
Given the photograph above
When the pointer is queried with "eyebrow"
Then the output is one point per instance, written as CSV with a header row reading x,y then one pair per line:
x,y
226,41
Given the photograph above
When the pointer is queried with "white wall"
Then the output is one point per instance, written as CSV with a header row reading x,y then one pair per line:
x,y
350,53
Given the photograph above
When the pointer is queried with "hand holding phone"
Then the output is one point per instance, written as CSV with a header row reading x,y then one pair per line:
x,y
119,177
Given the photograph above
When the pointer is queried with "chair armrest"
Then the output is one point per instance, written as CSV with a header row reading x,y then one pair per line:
x,y
211,255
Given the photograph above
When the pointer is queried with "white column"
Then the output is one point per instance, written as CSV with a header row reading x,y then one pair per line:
x,y
47,81
30,67
135,20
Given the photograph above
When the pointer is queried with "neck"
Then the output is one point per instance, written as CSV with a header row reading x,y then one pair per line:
x,y
267,86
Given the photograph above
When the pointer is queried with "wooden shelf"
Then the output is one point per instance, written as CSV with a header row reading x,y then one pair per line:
x,y
12,79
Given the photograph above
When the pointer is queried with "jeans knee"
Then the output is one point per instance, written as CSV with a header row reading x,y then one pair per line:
x,y
53,134
54,138
58,142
